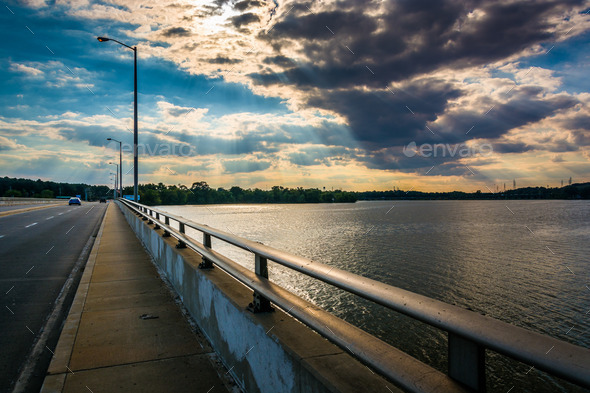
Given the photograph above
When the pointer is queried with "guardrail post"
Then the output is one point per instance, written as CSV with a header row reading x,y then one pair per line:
x,y
206,264
259,302
180,243
167,222
158,220
467,362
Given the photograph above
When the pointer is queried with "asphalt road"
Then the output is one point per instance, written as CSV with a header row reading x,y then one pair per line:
x,y
38,250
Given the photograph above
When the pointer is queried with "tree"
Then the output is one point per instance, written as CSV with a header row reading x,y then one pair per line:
x,y
13,193
47,194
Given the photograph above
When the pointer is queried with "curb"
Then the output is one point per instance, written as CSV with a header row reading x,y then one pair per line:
x,y
58,368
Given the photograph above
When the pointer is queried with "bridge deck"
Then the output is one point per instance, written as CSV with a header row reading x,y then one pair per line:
x,y
124,332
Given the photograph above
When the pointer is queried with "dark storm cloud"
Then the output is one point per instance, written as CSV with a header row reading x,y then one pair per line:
x,y
382,119
348,56
520,110
176,32
224,60
581,138
244,19
280,60
409,38
246,4
560,146
511,147
580,122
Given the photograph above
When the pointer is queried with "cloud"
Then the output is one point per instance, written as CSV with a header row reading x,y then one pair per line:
x,y
329,84
511,147
381,119
245,166
9,144
557,158
224,60
25,69
398,40
496,119
244,19
176,32
320,155
246,4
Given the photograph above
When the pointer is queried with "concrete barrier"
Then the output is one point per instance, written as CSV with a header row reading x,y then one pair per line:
x,y
267,352
10,201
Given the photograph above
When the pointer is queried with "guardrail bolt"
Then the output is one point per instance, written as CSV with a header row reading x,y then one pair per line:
x,y
260,304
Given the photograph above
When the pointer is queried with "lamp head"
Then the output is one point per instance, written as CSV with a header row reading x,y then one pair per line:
x,y
109,139
103,39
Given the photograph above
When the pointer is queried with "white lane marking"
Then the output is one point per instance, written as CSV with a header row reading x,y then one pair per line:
x,y
29,329
9,290
47,252
90,209
70,229
30,225
60,213
49,218
28,271
10,310
1,236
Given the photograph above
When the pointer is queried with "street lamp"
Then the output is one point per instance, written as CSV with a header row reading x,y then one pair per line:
x,y
120,166
134,49
115,188
118,181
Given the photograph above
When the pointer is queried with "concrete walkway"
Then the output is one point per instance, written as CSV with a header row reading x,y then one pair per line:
x,y
124,332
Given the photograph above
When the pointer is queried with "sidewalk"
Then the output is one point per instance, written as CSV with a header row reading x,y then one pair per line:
x,y
124,332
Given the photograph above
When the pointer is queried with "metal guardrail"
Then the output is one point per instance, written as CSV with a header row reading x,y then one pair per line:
x,y
470,333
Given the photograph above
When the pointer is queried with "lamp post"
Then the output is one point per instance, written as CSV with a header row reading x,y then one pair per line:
x,y
117,179
134,49
120,166
115,188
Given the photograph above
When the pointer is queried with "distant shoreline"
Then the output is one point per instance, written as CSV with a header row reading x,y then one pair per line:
x,y
200,193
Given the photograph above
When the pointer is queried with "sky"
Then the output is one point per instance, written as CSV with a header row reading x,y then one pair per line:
x,y
359,95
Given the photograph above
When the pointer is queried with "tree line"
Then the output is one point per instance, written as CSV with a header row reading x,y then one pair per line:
x,y
27,188
200,193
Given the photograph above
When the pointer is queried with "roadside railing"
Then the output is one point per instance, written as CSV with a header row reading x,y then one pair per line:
x,y
469,333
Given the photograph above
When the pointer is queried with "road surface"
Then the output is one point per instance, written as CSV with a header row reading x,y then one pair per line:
x,y
38,250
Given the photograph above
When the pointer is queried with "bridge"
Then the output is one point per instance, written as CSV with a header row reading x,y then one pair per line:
x,y
158,310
